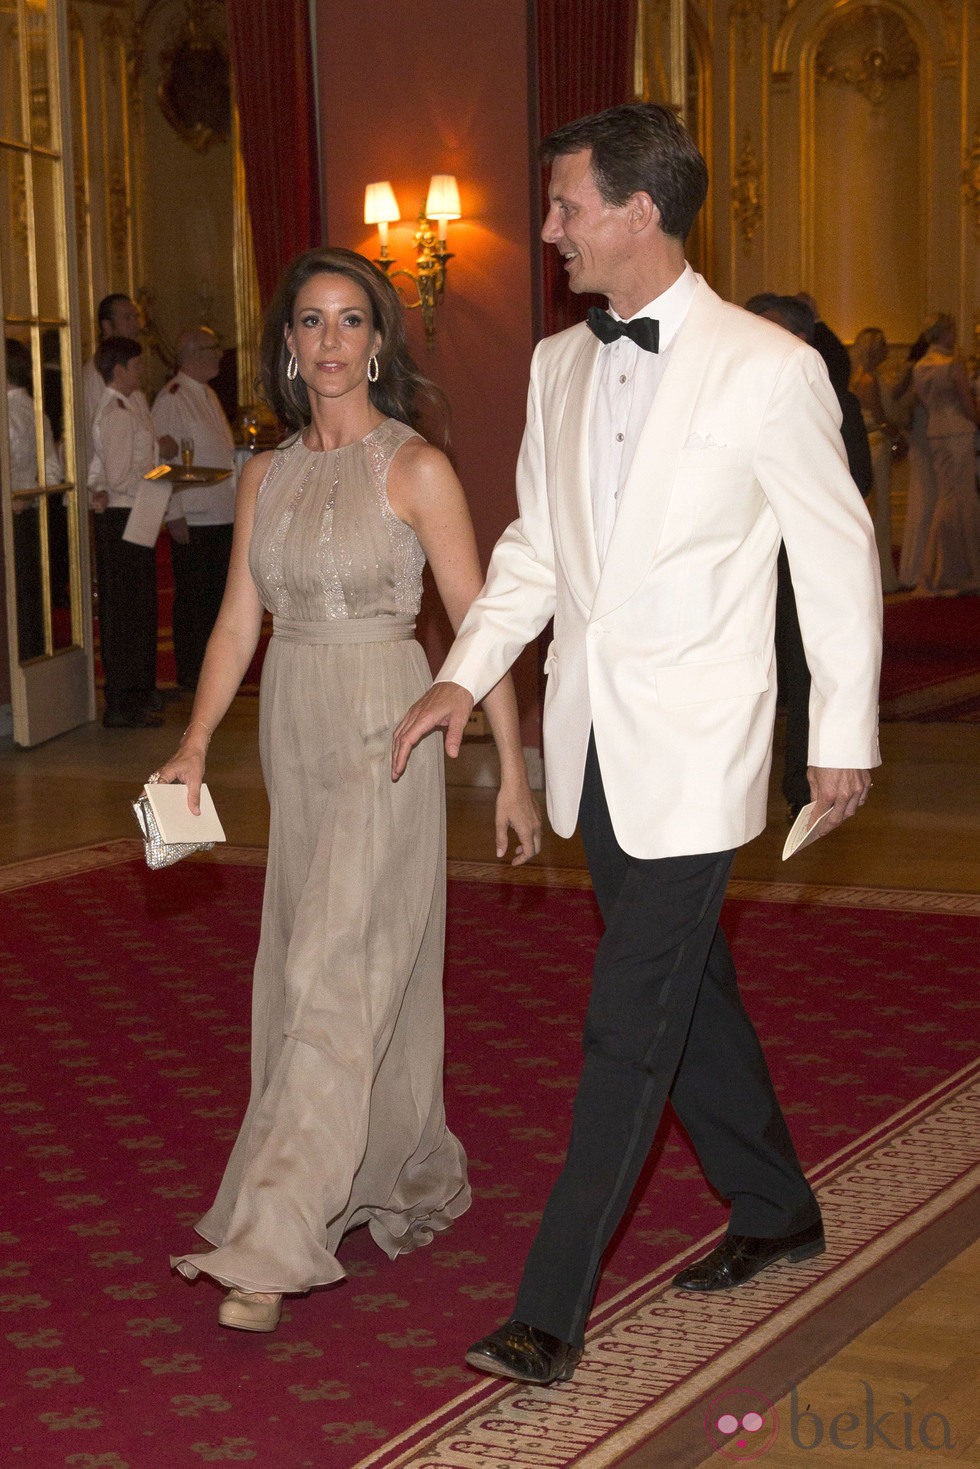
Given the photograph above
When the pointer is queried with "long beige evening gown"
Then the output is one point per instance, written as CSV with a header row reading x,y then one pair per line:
x,y
346,1123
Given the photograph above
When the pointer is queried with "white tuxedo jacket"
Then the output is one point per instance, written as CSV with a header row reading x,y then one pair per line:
x,y
666,651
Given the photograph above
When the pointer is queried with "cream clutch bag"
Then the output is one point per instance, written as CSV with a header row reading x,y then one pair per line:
x,y
170,830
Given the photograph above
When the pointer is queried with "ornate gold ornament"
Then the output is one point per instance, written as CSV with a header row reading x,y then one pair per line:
x,y
971,179
194,91
747,194
741,15
869,49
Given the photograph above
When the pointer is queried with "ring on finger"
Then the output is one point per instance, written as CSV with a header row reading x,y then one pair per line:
x,y
153,779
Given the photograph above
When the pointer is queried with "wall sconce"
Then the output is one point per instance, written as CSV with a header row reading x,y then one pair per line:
x,y
431,255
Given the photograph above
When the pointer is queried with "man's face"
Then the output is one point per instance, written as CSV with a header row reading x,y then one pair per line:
x,y
592,237
203,357
126,320
129,376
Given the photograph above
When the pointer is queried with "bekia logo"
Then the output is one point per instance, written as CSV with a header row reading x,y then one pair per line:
x,y
743,1425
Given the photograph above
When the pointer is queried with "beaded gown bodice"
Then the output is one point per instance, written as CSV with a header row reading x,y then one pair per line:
x,y
326,543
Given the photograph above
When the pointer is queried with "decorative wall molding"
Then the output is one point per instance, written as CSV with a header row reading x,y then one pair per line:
x,y
869,49
971,178
747,202
743,16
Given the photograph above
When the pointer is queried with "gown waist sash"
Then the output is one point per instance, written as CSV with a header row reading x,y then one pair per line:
x,y
345,630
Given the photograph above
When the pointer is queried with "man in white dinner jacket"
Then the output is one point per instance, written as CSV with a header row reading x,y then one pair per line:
x,y
654,487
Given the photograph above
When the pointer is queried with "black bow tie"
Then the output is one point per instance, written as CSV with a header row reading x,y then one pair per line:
x,y
644,331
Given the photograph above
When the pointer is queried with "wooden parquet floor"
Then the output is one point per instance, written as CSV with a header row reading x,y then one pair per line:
x,y
917,832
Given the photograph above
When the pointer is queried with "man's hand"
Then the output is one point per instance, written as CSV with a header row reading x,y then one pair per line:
x,y
840,792
446,706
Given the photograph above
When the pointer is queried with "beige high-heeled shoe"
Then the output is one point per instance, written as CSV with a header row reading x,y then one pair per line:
x,y
241,1310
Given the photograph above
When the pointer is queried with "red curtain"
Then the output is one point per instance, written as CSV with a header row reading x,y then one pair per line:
x,y
272,60
585,63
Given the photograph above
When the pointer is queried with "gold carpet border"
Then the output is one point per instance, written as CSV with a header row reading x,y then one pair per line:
x,y
124,849
653,1360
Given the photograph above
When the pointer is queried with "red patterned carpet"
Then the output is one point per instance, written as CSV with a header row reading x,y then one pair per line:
x,y
123,1066
931,664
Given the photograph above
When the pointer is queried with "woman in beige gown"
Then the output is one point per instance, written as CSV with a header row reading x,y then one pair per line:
x,y
951,560
345,1124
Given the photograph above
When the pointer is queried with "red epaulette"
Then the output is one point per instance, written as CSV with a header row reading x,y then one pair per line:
x,y
174,387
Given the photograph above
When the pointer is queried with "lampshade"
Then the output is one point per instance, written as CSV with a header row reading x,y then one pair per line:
x,y
443,200
380,204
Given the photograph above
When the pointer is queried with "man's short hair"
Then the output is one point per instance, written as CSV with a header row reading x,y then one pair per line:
x,y
107,308
639,147
789,311
20,373
112,353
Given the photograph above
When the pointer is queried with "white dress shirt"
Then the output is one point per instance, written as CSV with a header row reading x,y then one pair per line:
x,y
625,384
23,444
124,447
188,409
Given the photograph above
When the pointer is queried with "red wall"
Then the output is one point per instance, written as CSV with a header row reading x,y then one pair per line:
x,y
406,91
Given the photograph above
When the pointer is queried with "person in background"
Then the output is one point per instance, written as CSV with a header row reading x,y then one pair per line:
x,y
793,672
878,410
124,448
22,430
200,539
951,561
837,360
922,479
671,443
118,316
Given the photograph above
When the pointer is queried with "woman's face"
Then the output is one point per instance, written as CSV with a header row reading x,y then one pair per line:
x,y
332,336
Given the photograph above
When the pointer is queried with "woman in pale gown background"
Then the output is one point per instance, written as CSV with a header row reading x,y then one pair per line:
x,y
869,352
951,561
345,1123
922,481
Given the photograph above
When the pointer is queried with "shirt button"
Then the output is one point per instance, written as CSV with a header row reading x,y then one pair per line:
x,y
622,377
619,438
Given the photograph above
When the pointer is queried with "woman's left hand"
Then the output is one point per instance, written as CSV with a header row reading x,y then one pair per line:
x,y
517,810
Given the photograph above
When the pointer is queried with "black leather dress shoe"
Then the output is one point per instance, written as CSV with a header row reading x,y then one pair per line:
x,y
525,1354
740,1256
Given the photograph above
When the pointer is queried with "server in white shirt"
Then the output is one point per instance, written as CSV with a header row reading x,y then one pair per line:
x,y
671,444
187,408
124,448
118,316
22,431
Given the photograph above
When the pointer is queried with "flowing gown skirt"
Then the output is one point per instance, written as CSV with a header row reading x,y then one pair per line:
x,y
345,1124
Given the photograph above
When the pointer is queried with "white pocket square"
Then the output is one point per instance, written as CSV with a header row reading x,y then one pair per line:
x,y
703,441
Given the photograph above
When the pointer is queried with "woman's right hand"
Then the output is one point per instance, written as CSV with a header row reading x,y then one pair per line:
x,y
185,767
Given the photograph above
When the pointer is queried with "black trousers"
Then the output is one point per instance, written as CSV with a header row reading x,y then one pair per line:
x,y
127,576
200,569
665,1019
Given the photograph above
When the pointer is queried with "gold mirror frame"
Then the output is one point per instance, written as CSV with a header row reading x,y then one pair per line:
x,y
194,91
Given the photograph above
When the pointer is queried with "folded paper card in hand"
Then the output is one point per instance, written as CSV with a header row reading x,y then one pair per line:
x,y
170,829
805,830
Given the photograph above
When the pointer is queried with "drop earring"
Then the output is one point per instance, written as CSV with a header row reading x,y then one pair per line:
x,y
292,367
373,368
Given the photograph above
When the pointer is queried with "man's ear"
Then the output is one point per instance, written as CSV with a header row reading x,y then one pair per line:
x,y
641,212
